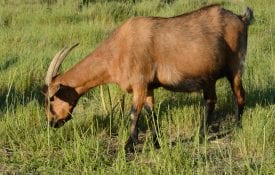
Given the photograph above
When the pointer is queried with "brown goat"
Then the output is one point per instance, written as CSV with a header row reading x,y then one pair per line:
x,y
185,53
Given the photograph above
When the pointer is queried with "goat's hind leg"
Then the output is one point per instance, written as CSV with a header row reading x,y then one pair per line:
x,y
210,98
149,106
239,96
139,95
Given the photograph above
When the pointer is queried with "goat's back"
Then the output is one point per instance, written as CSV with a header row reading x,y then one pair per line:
x,y
170,51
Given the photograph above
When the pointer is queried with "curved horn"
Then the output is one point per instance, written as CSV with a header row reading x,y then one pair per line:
x,y
56,62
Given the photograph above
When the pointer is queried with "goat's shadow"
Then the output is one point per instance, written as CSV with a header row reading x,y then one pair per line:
x,y
10,98
262,97
223,115
11,60
9,95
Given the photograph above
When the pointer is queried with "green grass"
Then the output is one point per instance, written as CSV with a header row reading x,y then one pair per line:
x,y
31,31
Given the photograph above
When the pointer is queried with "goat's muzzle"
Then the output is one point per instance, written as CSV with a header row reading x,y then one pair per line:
x,y
59,123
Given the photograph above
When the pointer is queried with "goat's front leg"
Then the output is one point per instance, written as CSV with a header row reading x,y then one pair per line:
x,y
149,106
139,95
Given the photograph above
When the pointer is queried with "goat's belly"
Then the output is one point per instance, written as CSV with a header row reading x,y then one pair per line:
x,y
187,85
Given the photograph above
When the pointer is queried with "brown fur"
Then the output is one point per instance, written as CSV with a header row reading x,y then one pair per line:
x,y
182,53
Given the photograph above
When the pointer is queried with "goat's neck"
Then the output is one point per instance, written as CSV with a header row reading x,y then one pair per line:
x,y
88,73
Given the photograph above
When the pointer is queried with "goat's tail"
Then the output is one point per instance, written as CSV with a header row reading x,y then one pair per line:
x,y
248,16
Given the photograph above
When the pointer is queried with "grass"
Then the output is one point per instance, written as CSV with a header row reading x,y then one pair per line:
x,y
31,32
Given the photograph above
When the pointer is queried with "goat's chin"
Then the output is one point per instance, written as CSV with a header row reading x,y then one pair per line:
x,y
59,124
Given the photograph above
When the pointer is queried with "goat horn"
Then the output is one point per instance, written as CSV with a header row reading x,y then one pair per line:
x,y
56,62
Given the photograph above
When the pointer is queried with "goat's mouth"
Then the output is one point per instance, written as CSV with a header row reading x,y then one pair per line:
x,y
59,123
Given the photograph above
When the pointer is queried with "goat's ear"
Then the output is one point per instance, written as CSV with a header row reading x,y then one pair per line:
x,y
52,89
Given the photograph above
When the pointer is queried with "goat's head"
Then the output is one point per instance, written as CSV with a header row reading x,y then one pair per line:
x,y
59,99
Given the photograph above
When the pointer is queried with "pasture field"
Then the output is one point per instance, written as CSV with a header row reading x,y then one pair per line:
x,y
32,31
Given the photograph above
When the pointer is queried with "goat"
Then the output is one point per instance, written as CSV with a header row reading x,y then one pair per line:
x,y
184,53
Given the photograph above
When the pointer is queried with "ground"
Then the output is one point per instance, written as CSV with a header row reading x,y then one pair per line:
x,y
32,31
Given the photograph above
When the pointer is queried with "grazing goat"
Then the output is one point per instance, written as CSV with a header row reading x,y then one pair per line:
x,y
184,53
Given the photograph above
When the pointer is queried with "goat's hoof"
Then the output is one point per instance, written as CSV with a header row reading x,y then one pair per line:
x,y
201,139
202,136
239,125
156,143
129,147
